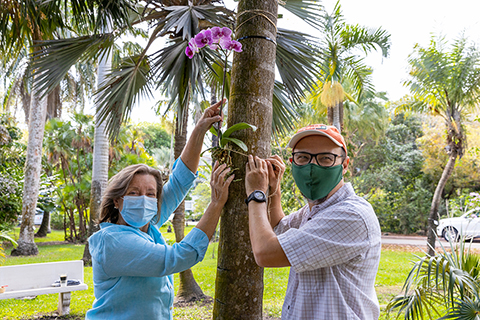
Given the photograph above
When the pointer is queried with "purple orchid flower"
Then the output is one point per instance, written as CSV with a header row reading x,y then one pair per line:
x,y
191,48
204,38
214,38
189,52
231,45
219,33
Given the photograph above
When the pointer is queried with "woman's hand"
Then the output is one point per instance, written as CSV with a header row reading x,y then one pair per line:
x,y
210,116
219,184
276,169
256,176
191,153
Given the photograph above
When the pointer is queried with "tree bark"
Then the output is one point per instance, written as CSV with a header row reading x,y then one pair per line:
x,y
336,117
437,197
100,161
33,167
188,289
330,116
239,282
45,226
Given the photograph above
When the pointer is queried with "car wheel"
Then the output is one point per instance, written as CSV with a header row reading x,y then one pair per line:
x,y
450,234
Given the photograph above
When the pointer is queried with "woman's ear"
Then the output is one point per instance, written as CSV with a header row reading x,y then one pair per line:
x,y
115,203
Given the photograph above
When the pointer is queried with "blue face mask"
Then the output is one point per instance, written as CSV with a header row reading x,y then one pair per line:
x,y
137,211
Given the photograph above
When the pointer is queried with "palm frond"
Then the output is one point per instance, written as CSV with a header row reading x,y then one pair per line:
x,y
296,62
446,81
126,85
184,20
464,309
55,57
358,36
283,111
440,281
99,13
360,76
309,11
177,75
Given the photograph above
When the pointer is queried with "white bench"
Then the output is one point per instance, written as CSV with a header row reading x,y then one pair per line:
x,y
36,279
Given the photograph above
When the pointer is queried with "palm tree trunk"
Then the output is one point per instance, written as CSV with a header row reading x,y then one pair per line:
x,y
33,168
336,118
239,282
45,226
188,289
437,197
100,161
340,115
330,116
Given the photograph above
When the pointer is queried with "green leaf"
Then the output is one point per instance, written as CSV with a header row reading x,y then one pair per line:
x,y
213,131
237,127
238,142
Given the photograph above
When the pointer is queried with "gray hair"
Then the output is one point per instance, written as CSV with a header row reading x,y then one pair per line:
x,y
118,185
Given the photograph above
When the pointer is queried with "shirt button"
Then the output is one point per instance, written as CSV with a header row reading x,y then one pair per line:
x,y
171,308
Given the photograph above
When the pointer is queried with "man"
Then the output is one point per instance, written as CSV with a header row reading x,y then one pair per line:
x,y
332,244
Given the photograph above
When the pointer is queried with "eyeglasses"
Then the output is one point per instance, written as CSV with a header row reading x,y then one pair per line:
x,y
326,159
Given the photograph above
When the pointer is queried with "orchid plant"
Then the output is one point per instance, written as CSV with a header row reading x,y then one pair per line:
x,y
216,38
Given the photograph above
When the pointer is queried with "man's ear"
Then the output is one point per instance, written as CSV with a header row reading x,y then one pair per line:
x,y
345,164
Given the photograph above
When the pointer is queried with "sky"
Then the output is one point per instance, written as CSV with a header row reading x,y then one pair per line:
x,y
409,22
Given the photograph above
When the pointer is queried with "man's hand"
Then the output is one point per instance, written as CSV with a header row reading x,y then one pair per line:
x,y
219,184
256,177
276,168
210,116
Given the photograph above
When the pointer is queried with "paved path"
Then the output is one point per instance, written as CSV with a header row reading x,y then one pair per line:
x,y
420,241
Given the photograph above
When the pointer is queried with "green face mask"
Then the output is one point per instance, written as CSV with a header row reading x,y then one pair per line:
x,y
316,182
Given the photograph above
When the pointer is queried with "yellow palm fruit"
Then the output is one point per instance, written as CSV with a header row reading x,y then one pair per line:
x,y
332,94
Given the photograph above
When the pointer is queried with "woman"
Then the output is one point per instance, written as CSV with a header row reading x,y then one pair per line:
x,y
132,264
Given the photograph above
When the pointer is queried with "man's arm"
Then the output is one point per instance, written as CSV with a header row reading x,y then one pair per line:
x,y
265,245
266,248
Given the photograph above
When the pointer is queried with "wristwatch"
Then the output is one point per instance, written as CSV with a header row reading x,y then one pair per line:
x,y
257,196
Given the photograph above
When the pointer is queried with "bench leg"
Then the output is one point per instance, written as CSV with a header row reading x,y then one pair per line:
x,y
64,303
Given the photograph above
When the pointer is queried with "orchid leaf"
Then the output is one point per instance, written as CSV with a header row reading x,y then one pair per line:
x,y
236,127
238,142
213,131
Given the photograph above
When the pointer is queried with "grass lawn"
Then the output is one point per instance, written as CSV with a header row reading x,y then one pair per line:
x,y
394,267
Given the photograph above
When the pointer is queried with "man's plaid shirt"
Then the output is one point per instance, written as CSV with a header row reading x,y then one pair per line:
x,y
334,251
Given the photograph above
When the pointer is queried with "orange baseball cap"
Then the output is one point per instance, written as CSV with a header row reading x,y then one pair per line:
x,y
320,130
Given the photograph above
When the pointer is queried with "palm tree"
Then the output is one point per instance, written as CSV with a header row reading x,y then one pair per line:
x,y
447,85
239,282
340,63
100,158
22,26
22,23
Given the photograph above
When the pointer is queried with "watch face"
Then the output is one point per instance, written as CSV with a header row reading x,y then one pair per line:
x,y
258,195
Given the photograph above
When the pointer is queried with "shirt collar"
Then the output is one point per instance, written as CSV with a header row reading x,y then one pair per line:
x,y
344,192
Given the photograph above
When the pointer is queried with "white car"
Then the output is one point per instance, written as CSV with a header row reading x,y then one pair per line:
x,y
467,225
